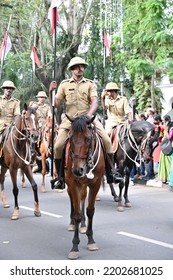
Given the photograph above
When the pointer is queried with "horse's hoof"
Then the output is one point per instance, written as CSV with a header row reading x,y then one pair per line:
x,y
73,255
83,230
128,205
43,190
71,227
6,205
15,215
23,185
116,199
97,198
120,209
92,247
37,214
59,191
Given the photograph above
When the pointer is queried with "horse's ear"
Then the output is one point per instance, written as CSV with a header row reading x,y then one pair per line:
x,y
90,120
71,119
25,107
93,117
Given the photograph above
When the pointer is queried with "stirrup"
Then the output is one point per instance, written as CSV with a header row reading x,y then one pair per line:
x,y
117,178
59,185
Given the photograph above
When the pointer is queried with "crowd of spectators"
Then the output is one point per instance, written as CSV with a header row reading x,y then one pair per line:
x,y
158,171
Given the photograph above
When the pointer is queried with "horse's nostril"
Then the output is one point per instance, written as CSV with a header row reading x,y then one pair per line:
x,y
78,172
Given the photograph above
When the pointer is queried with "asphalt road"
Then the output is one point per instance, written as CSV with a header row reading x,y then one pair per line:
x,y
142,232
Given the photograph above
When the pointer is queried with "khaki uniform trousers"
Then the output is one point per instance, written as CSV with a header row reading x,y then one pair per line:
x,y
63,134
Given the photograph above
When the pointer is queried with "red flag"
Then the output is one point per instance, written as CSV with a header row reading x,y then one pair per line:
x,y
53,14
107,44
5,46
35,59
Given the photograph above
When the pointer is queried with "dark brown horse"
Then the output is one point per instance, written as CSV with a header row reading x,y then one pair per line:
x,y
130,139
85,166
19,142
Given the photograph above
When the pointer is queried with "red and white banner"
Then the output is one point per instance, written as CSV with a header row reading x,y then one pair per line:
x,y
107,43
53,15
5,47
35,59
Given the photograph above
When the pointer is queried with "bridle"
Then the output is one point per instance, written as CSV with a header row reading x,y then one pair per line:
x,y
94,148
143,146
24,135
138,148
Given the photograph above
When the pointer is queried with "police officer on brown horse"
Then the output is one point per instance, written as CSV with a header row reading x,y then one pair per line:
x,y
81,98
9,107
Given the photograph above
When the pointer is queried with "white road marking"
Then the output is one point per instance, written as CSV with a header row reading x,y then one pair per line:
x,y
167,245
42,212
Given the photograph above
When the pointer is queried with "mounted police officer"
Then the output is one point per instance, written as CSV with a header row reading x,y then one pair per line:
x,y
80,95
117,107
43,111
9,107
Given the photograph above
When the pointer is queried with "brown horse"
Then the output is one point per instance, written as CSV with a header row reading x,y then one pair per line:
x,y
43,151
43,148
85,166
18,145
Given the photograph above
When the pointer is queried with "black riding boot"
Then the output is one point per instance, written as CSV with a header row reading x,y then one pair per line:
x,y
110,175
60,184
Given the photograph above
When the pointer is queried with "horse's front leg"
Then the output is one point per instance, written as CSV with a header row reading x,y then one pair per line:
x,y
76,218
127,202
120,207
22,178
71,226
28,172
43,161
74,253
92,246
5,204
83,227
13,173
113,193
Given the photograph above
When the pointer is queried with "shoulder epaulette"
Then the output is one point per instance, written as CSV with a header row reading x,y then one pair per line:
x,y
91,81
16,99
65,81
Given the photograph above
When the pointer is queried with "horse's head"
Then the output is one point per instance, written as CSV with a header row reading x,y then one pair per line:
x,y
149,144
140,130
81,135
30,122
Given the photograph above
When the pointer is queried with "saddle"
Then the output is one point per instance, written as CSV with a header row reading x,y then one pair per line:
x,y
115,137
3,136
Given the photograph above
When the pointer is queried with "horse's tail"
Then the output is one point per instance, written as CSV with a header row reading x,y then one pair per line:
x,y
103,183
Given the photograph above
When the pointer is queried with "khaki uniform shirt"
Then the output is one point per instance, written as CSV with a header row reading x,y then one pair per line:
x,y
8,110
117,109
77,97
43,111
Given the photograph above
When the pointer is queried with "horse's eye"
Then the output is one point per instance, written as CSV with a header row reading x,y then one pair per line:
x,y
88,140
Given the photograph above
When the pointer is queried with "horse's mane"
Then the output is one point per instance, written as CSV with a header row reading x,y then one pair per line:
x,y
80,123
140,128
32,110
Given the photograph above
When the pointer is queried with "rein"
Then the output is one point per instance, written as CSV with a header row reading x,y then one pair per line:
x,y
90,175
143,148
133,145
23,138
90,156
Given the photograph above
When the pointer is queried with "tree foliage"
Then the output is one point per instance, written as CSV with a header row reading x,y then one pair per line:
x,y
141,33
